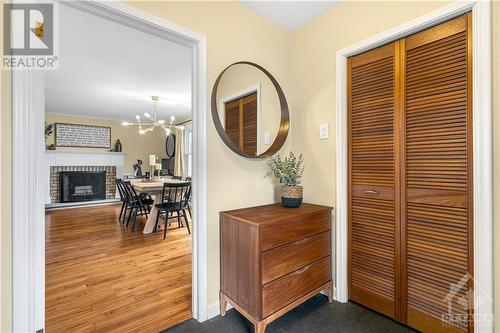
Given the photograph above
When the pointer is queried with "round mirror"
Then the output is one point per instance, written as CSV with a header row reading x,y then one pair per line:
x,y
170,145
249,110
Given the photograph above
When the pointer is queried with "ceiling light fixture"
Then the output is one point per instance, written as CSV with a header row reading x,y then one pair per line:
x,y
150,126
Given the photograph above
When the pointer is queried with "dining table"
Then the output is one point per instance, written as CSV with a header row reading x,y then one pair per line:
x,y
153,188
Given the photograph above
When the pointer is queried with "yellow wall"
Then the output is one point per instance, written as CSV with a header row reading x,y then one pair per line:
x,y
135,146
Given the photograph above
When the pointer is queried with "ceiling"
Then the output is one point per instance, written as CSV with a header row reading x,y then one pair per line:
x,y
290,14
108,70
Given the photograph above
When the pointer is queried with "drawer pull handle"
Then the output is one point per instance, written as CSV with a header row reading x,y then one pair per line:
x,y
300,241
300,271
371,192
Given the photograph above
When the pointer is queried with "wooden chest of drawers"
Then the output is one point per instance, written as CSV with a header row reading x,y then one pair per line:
x,y
273,259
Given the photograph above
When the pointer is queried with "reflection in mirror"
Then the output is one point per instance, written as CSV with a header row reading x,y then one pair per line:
x,y
248,108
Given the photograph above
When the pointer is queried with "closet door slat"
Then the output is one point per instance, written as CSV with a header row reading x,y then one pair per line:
x,y
372,214
437,177
250,124
232,120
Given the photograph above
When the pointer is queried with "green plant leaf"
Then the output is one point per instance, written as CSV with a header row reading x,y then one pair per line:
x,y
289,170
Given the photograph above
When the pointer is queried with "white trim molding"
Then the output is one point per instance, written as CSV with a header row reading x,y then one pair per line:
x,y
28,192
214,309
482,147
28,180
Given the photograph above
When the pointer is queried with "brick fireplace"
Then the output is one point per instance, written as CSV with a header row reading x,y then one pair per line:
x,y
58,161
55,185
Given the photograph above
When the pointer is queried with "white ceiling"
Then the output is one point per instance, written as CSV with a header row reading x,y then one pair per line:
x,y
290,14
110,71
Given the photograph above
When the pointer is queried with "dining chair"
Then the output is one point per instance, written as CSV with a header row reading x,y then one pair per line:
x,y
137,204
188,179
175,198
123,196
128,200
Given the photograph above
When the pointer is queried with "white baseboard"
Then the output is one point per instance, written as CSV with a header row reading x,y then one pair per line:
x,y
213,310
334,293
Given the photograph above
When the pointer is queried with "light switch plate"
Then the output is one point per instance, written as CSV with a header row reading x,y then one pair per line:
x,y
267,138
324,131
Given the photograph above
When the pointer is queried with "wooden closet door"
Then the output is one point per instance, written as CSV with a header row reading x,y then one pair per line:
x,y
438,175
232,121
241,122
250,124
372,201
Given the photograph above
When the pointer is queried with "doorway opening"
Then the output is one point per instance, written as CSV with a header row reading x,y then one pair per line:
x,y
30,87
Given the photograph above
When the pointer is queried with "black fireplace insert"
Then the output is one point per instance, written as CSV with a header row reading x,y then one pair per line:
x,y
82,185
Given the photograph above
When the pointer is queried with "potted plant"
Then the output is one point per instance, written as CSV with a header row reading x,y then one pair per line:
x,y
289,171
48,131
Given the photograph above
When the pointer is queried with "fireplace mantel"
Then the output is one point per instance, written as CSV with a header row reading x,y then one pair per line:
x,y
77,158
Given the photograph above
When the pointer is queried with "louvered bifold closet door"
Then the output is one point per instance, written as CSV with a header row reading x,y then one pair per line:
x,y
250,124
438,175
372,232
232,121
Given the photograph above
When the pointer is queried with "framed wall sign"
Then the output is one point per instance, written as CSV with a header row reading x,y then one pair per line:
x,y
83,136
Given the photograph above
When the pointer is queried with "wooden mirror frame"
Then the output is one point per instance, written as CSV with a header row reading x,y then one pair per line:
x,y
284,123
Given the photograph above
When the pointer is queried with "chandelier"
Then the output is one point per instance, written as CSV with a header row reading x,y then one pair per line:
x,y
153,122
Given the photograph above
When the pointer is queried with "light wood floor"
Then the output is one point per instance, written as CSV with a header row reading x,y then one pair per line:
x,y
101,277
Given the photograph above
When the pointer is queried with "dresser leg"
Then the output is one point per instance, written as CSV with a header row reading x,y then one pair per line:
x,y
260,327
223,305
330,293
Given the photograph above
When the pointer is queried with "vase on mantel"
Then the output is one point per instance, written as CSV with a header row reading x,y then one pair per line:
x,y
118,146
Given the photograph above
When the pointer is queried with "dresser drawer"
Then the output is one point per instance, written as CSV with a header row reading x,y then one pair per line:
x,y
285,290
290,257
294,228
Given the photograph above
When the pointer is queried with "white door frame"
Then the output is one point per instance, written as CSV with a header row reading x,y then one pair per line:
x,y
482,146
28,154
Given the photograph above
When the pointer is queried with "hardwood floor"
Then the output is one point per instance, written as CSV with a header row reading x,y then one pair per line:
x,y
101,277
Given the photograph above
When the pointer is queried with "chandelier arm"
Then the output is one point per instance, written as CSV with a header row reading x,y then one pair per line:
x,y
149,127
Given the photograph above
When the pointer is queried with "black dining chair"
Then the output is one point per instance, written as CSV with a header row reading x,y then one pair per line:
x,y
175,198
127,199
137,204
123,197
188,179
